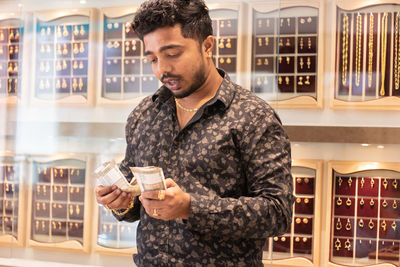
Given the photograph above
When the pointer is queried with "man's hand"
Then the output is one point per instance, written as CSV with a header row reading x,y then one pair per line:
x,y
175,204
111,197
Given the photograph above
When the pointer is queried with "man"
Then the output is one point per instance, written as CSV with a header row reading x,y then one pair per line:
x,y
224,148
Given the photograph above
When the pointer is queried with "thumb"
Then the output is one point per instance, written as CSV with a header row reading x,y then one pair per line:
x,y
170,183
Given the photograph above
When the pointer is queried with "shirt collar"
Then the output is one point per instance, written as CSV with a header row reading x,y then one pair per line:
x,y
225,92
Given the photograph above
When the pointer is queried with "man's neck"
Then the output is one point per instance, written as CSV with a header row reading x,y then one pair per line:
x,y
207,91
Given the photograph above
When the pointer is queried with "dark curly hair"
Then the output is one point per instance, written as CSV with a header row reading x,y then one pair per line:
x,y
192,15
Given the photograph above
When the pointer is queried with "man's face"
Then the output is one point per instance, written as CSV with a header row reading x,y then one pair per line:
x,y
176,61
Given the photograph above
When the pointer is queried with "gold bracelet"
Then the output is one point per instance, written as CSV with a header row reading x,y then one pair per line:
x,y
131,203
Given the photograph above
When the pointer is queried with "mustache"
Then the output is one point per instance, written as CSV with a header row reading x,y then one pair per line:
x,y
169,75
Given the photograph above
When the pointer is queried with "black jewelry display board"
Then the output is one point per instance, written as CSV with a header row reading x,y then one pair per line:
x,y
126,71
366,217
11,39
62,57
284,52
58,201
372,31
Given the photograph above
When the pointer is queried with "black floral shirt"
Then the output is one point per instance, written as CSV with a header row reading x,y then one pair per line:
x,y
233,158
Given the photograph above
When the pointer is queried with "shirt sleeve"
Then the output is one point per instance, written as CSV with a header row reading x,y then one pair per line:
x,y
267,208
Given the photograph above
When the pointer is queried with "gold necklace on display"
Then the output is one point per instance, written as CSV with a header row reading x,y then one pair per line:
x,y
183,108
383,51
358,48
370,48
345,48
397,54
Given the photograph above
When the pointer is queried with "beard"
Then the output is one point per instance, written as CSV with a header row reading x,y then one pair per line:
x,y
198,79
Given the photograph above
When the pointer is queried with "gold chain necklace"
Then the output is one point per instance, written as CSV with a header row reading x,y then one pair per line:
x,y
345,48
370,48
397,54
358,48
383,51
183,108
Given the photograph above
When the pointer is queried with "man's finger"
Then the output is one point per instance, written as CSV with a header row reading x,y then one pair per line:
x,y
102,191
170,183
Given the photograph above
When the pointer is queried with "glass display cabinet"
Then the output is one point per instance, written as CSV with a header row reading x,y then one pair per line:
x,y
11,46
286,55
365,217
59,203
64,48
12,204
300,245
113,236
228,33
126,72
367,55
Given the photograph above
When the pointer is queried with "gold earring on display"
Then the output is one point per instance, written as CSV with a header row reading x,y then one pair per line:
x,y
259,40
372,182
383,225
338,244
340,180
362,202
371,224
228,44
348,202
307,81
394,183
287,80
384,203
338,224
65,31
300,82
394,205
348,225
339,201
394,226
385,183
347,245
361,223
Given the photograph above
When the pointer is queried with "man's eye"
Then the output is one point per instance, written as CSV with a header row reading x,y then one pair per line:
x,y
173,55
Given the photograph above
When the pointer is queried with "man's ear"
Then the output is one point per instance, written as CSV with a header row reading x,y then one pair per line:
x,y
208,45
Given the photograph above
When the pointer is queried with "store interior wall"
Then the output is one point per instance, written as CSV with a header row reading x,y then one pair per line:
x,y
36,130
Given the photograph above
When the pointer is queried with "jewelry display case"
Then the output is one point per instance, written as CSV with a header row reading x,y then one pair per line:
x,y
228,34
364,226
64,51
12,206
59,209
11,39
286,53
300,245
113,236
126,72
367,56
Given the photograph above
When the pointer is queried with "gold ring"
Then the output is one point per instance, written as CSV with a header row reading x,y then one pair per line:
x,y
161,194
155,214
